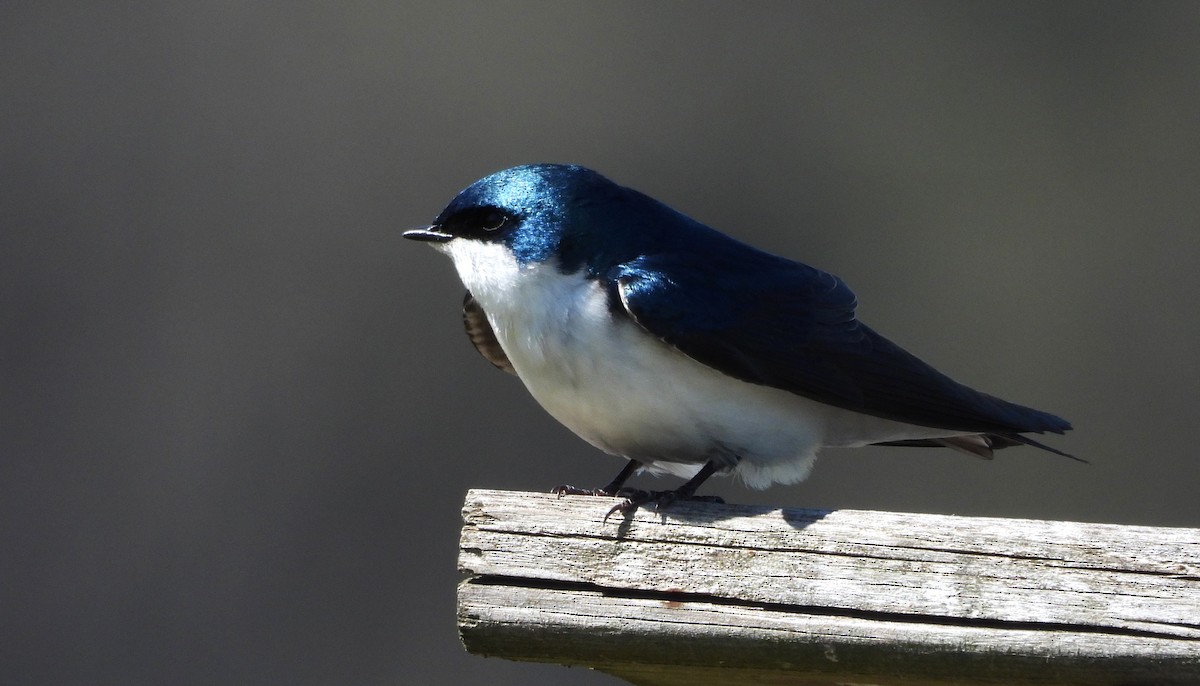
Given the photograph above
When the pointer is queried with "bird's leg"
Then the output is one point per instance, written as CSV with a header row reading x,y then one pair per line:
x,y
664,499
611,489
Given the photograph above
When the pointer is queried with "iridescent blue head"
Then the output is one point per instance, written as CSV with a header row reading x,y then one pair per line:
x,y
545,211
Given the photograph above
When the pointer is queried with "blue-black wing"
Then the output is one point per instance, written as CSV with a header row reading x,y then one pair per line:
x,y
770,321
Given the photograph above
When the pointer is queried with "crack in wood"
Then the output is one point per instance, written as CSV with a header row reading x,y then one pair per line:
x,y
791,608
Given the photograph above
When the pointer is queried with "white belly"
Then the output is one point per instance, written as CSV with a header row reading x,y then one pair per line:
x,y
629,394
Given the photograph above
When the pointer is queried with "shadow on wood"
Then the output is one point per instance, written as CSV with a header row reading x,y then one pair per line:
x,y
708,593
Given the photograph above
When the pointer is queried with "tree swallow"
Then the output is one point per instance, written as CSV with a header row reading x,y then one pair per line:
x,y
660,340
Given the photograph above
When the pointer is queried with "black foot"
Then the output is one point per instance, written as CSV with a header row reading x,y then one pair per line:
x,y
564,489
661,500
613,487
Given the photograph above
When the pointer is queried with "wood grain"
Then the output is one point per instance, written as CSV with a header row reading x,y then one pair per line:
x,y
709,593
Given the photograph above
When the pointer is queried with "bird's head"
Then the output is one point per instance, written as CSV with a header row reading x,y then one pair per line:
x,y
542,214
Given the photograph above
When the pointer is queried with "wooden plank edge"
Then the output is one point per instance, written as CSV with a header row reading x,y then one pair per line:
x,y
667,641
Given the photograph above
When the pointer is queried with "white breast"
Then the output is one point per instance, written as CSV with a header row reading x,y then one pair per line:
x,y
629,394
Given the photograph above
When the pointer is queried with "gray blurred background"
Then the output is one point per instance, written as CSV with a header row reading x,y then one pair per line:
x,y
239,414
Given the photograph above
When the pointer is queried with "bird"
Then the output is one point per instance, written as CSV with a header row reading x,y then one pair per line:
x,y
660,340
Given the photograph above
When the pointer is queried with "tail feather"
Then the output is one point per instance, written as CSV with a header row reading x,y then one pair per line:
x,y
981,445
978,445
1025,440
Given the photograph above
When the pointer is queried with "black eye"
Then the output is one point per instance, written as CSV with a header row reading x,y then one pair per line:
x,y
493,220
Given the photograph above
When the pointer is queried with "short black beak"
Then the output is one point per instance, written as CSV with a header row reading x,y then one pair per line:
x,y
428,234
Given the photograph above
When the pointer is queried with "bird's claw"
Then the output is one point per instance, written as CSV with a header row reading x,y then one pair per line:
x,y
661,500
566,489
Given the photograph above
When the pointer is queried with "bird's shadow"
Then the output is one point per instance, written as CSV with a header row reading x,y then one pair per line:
x,y
710,513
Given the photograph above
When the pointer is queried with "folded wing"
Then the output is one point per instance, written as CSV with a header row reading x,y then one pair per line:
x,y
770,321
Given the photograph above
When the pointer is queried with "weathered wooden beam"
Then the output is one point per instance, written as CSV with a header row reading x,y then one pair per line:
x,y
707,593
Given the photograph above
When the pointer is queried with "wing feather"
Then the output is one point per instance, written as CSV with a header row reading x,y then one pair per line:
x,y
779,323
482,336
